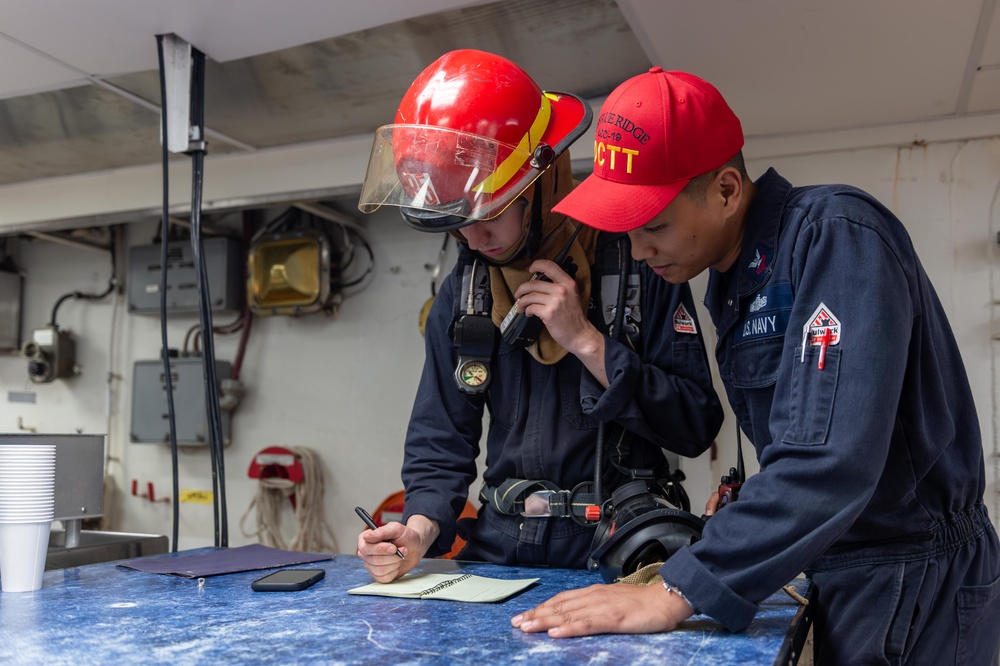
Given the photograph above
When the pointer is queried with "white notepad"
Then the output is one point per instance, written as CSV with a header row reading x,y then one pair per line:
x,y
453,587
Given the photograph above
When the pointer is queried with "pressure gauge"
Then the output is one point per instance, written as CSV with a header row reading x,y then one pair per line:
x,y
473,376
475,340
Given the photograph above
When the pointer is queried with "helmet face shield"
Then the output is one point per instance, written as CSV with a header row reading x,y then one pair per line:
x,y
471,134
443,178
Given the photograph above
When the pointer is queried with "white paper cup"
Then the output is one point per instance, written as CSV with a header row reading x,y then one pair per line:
x,y
27,452
27,514
34,507
23,547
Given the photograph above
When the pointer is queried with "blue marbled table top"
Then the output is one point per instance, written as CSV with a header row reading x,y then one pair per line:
x,y
105,614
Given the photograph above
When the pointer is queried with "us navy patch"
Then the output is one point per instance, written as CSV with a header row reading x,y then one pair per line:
x,y
767,314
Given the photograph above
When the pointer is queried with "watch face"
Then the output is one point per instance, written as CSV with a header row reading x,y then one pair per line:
x,y
474,373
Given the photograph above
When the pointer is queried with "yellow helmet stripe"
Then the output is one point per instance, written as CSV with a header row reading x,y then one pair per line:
x,y
510,166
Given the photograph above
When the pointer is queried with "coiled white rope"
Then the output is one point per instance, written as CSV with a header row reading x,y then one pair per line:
x,y
313,534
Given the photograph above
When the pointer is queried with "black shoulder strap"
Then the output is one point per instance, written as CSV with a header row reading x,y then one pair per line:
x,y
473,333
481,297
613,259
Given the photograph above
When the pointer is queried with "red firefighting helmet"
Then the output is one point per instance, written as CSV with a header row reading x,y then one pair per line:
x,y
472,132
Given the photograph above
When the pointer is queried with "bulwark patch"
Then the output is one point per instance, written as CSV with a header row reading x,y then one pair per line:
x,y
822,321
684,322
821,330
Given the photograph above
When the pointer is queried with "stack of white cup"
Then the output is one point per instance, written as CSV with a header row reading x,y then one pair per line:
x,y
27,501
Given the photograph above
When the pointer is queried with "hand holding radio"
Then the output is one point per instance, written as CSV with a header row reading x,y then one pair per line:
x,y
553,301
520,329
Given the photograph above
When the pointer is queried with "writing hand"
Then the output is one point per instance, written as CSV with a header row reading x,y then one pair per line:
x,y
377,549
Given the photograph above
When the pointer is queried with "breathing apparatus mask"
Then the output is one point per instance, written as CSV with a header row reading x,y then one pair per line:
x,y
639,527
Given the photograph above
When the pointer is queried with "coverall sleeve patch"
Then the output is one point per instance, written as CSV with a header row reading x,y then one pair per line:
x,y
684,322
821,330
757,267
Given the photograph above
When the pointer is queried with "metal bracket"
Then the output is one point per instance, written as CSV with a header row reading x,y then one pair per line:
x,y
177,68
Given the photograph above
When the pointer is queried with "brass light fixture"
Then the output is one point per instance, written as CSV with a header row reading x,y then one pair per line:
x,y
289,273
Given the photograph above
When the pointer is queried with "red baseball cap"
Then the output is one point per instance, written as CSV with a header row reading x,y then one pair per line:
x,y
655,132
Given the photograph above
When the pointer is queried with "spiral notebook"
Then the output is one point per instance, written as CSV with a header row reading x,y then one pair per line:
x,y
452,587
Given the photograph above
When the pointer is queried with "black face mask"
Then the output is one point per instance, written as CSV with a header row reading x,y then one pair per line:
x,y
639,528
433,220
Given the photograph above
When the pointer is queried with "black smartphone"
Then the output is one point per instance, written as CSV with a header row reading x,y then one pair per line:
x,y
288,580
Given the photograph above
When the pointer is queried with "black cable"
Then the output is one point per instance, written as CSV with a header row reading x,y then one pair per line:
x,y
741,475
214,412
368,270
112,283
273,225
164,224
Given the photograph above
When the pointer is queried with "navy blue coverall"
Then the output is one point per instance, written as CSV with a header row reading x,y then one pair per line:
x,y
841,367
543,423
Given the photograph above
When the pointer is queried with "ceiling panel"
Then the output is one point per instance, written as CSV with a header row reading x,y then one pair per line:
x,y
338,87
300,71
32,74
990,57
105,37
985,95
75,130
790,66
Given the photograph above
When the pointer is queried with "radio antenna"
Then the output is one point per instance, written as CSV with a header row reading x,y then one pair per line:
x,y
740,473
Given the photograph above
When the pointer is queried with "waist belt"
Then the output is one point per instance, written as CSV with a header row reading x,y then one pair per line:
x,y
508,498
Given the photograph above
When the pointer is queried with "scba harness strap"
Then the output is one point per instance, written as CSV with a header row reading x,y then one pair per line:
x,y
612,262
474,338
512,498
474,334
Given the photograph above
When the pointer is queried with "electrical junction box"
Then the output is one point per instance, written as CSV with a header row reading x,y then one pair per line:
x,y
150,418
224,264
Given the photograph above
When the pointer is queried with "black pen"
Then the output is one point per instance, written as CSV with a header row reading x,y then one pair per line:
x,y
365,516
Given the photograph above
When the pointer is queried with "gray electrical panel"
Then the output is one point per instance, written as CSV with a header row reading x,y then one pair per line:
x,y
224,264
150,422
10,310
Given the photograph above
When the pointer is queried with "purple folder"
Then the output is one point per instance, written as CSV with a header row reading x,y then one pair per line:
x,y
223,561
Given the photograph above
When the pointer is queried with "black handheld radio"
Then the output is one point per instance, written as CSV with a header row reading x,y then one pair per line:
x,y
730,484
517,328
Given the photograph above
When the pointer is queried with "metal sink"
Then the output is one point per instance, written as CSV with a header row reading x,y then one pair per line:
x,y
97,546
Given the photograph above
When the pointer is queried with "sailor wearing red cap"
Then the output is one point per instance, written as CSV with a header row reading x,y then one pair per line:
x,y
842,369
